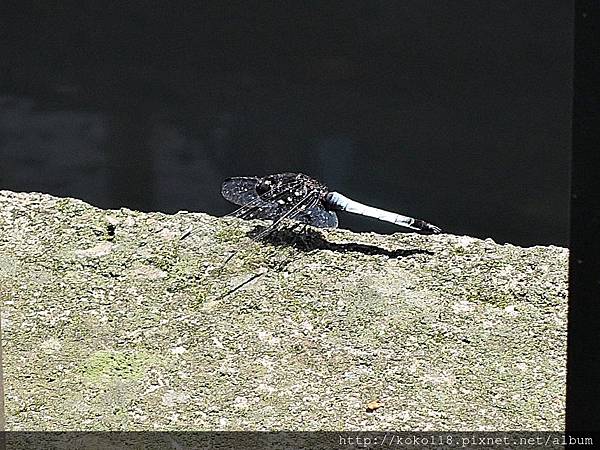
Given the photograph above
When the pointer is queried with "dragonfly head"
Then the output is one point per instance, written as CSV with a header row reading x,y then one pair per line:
x,y
264,186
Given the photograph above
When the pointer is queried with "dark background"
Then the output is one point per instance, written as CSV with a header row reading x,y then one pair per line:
x,y
583,352
454,112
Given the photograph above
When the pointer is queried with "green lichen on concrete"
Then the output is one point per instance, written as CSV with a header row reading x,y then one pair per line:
x,y
103,365
112,320
230,234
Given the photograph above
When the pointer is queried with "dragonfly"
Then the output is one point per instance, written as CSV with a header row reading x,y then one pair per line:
x,y
299,198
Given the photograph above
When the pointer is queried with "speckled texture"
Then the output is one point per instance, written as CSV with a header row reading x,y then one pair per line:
x,y
110,321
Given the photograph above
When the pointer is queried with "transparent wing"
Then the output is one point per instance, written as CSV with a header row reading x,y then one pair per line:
x,y
309,201
240,190
318,216
272,204
288,198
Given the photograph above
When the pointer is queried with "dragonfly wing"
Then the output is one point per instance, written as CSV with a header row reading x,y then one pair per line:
x,y
270,204
262,210
240,190
317,216
277,198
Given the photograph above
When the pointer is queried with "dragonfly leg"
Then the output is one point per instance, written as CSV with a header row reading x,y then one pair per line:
x,y
303,227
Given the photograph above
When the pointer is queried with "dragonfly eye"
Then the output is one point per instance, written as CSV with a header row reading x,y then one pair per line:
x,y
263,186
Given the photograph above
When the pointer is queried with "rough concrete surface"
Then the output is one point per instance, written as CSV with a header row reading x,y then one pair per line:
x,y
111,321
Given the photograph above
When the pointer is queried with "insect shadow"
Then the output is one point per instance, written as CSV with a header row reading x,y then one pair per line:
x,y
310,239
